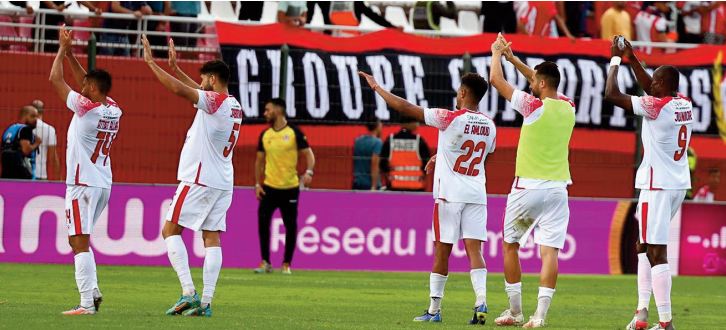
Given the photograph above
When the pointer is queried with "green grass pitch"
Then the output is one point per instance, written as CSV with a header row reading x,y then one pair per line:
x,y
32,297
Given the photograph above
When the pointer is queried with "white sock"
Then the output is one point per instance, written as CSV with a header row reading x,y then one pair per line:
x,y
212,265
437,282
96,291
544,299
84,277
177,253
514,292
662,282
645,284
479,283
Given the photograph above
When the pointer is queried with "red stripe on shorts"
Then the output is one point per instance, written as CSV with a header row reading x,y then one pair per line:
x,y
178,204
437,233
644,220
77,217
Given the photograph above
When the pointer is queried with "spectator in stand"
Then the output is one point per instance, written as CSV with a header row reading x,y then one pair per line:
x,y
47,146
404,157
367,158
651,24
616,21
324,10
9,31
427,14
699,19
190,9
19,145
708,191
158,8
499,16
138,9
292,13
53,20
347,13
249,10
540,18
575,15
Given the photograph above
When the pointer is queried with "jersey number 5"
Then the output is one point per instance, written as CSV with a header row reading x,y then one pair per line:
x,y
682,143
470,149
232,140
103,146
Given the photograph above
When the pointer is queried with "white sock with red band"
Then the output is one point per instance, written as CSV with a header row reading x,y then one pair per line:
x,y
662,282
84,277
645,283
177,253
212,266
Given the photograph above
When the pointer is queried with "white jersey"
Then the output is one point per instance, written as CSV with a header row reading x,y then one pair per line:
x,y
647,25
666,134
206,158
92,131
465,139
47,134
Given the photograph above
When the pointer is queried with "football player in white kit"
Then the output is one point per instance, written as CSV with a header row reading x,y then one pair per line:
x,y
205,174
663,176
538,198
466,137
91,133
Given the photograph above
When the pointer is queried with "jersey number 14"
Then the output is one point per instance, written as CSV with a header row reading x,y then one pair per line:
x,y
103,147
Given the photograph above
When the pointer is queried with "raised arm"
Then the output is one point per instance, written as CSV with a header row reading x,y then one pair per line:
x,y
522,67
496,75
181,75
79,73
396,103
612,90
172,84
56,71
644,79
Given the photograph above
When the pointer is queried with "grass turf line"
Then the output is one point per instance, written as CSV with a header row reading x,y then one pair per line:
x,y
32,297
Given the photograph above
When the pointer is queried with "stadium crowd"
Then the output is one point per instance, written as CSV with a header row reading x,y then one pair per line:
x,y
656,21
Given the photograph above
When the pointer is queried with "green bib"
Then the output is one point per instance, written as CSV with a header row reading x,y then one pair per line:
x,y
544,145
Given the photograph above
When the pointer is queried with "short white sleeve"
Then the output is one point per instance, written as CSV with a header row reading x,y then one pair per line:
x,y
52,139
79,103
209,101
439,118
525,103
660,25
72,100
648,106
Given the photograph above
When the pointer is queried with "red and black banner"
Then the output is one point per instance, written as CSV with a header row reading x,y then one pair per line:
x,y
323,86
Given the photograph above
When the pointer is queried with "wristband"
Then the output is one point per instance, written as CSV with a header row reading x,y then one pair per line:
x,y
309,172
615,61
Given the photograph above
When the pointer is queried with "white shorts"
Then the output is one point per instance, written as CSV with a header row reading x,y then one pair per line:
x,y
83,207
200,208
543,210
455,221
655,210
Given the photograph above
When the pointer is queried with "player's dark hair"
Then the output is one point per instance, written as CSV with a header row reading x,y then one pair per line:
x,y
671,77
101,78
278,102
476,84
548,72
217,68
372,125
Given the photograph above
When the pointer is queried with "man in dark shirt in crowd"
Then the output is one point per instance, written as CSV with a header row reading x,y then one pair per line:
x,y
403,158
19,145
367,158
138,9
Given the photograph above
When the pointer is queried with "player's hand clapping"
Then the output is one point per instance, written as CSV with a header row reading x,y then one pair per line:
x,y
614,49
369,79
507,51
499,46
172,54
64,38
148,56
